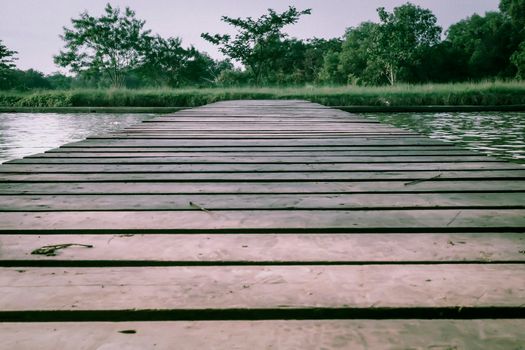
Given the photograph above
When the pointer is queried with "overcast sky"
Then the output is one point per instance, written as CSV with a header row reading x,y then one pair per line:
x,y
32,27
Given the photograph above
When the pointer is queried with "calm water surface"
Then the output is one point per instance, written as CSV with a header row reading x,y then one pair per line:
x,y
501,135
22,134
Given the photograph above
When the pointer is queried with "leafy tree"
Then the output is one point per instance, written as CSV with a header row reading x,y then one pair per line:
x,y
402,36
200,69
111,44
7,63
357,64
483,45
518,59
60,81
164,61
33,79
257,44
314,56
516,10
7,57
330,71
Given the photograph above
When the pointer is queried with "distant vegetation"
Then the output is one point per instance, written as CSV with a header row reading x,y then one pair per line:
x,y
404,46
489,93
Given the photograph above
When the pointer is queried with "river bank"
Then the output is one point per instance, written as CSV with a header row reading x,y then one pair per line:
x,y
488,96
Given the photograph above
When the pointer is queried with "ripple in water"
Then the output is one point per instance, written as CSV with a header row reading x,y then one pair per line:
x,y
501,135
22,134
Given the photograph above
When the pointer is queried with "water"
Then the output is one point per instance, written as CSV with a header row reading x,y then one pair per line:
x,y
498,134
22,134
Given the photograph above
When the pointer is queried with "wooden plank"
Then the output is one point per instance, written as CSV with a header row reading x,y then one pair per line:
x,y
262,287
271,201
247,137
135,154
267,148
78,184
363,141
183,119
258,160
275,334
239,167
341,181
402,248
257,220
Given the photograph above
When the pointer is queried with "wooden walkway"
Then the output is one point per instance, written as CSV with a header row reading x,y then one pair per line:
x,y
262,224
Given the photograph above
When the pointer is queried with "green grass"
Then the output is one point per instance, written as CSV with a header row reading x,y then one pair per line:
x,y
475,94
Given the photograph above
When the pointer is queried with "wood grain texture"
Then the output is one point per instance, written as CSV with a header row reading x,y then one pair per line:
x,y
307,335
260,287
262,210
482,247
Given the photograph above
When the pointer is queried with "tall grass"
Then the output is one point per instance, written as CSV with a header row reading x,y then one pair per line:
x,y
477,94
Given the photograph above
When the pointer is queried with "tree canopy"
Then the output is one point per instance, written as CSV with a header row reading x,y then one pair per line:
x,y
403,45
257,44
112,43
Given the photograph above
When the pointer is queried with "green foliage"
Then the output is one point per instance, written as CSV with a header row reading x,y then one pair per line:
x,y
489,93
518,59
377,53
402,37
515,9
114,50
7,59
257,44
357,66
164,60
483,45
112,43
45,99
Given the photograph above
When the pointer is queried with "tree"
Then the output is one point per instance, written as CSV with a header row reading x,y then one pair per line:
x,y
515,9
200,69
483,45
402,36
357,65
330,72
518,59
257,44
111,44
164,61
7,63
7,57
60,81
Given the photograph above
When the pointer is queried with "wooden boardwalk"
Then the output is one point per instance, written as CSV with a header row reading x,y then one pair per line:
x,y
262,224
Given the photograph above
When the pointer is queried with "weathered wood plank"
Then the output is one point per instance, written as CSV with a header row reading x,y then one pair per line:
x,y
261,201
258,160
275,334
258,187
135,154
352,182
255,220
262,287
266,148
363,141
78,184
264,248
240,167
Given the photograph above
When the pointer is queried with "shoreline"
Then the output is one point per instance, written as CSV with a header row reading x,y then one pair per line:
x,y
352,109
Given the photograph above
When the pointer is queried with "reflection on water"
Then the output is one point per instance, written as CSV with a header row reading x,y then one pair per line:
x,y
22,134
498,134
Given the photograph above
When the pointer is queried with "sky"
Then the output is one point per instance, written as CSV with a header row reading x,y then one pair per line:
x,y
32,27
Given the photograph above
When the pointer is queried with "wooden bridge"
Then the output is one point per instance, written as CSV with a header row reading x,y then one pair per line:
x,y
261,224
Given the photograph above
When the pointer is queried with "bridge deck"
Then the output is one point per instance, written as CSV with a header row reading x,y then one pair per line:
x,y
262,224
